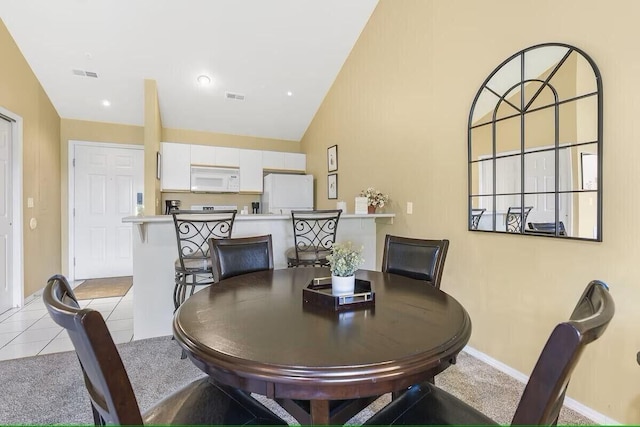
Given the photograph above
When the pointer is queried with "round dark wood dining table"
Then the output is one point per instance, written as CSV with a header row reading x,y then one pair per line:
x,y
255,333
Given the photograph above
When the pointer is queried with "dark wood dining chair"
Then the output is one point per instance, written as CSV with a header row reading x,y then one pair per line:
x,y
314,233
242,255
110,392
194,230
543,396
420,259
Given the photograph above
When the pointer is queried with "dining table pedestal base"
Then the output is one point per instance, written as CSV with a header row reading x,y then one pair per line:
x,y
323,412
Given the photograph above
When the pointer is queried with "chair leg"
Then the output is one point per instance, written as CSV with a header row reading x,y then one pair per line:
x,y
97,418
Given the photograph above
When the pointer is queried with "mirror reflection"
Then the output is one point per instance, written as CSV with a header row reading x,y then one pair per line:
x,y
535,144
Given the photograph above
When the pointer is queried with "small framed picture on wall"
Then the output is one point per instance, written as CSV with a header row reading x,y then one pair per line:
x,y
332,158
332,186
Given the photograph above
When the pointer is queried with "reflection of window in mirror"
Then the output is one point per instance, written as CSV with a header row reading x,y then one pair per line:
x,y
535,141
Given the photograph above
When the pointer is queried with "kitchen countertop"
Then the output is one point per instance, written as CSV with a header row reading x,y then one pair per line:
x,y
250,217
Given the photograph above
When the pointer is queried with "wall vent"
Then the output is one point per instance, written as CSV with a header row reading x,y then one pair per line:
x,y
85,73
231,95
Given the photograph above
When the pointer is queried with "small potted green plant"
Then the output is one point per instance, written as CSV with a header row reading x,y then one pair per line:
x,y
344,260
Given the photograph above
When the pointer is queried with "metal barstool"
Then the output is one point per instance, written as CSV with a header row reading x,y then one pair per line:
x,y
314,233
193,231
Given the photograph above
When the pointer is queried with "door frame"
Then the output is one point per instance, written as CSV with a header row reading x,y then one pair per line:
x,y
16,276
71,191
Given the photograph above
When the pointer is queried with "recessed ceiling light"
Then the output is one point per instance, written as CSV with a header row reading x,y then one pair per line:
x,y
289,93
204,80
106,103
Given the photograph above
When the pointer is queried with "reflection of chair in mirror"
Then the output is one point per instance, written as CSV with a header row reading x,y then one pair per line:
x,y
111,395
541,401
547,228
242,255
516,216
314,233
476,214
419,259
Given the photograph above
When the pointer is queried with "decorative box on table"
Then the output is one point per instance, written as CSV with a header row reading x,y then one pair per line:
x,y
318,293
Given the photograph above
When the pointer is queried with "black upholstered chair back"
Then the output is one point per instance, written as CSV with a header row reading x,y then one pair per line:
x,y
516,216
194,229
232,257
420,259
106,380
314,233
544,394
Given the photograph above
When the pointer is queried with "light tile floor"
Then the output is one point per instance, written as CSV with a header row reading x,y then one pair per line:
x,y
29,331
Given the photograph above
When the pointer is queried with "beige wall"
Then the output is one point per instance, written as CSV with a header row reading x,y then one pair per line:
x,y
21,93
152,137
224,140
398,112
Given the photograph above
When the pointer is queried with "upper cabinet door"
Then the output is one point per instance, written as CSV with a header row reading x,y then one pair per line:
x,y
251,171
176,167
226,156
273,160
203,155
295,161
207,155
278,160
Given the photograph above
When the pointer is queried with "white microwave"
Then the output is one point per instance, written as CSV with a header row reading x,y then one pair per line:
x,y
214,180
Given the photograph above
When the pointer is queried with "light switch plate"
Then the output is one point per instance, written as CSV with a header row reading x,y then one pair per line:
x,y
29,202
409,208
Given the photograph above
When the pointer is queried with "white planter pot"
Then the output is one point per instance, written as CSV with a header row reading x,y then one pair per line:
x,y
342,285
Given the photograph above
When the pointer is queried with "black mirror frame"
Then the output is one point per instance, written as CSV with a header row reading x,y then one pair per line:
x,y
471,219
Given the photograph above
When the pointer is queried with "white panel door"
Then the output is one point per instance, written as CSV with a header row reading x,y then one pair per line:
x,y
106,182
6,287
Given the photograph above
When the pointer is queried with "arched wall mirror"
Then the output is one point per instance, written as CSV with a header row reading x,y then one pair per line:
x,y
535,146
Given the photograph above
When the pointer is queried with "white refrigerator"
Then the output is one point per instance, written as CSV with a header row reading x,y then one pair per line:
x,y
283,193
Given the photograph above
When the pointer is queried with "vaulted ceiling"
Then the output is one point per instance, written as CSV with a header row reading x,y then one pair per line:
x,y
281,56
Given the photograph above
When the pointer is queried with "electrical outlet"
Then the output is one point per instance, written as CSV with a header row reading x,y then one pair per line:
x,y
409,208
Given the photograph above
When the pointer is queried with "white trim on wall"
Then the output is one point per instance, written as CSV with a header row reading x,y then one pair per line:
x,y
570,403
16,167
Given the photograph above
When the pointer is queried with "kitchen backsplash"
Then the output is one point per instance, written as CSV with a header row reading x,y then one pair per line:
x,y
188,199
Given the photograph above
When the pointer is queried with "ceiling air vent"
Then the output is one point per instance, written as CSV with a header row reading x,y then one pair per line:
x,y
231,95
85,73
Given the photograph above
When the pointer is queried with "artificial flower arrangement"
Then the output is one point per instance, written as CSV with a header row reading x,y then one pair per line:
x,y
374,197
345,259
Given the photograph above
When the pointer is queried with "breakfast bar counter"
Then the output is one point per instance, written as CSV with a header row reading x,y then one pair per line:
x,y
155,251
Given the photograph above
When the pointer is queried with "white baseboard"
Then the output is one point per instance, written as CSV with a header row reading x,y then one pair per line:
x,y
570,403
36,295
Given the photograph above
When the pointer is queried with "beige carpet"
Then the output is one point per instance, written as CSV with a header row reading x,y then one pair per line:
x,y
103,288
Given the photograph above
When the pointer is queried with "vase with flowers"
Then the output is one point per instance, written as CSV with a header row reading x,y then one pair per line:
x,y
375,199
344,260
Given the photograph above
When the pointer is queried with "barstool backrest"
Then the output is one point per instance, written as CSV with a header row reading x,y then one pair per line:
x,y
195,228
314,233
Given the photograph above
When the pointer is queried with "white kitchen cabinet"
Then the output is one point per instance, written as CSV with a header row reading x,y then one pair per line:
x,y
273,160
207,155
278,160
227,156
251,171
295,161
203,155
176,167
